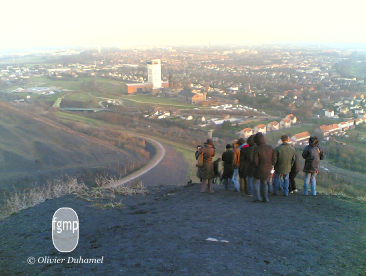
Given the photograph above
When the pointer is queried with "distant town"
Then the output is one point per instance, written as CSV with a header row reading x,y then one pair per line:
x,y
239,84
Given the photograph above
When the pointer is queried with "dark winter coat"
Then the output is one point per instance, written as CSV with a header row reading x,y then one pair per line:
x,y
216,165
228,159
312,155
246,158
263,159
296,166
285,155
207,171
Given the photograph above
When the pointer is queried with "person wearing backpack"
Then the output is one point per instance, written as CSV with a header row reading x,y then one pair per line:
x,y
312,154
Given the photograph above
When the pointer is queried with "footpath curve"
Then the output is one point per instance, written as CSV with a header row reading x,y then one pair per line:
x,y
160,153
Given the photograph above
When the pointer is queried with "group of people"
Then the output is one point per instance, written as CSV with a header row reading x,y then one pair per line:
x,y
250,166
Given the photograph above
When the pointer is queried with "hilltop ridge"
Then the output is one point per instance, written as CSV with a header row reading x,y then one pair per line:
x,y
165,232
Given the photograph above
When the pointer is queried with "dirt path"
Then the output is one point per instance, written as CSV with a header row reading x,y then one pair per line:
x,y
165,233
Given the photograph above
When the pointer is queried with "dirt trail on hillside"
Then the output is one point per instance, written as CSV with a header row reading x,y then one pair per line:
x,y
165,232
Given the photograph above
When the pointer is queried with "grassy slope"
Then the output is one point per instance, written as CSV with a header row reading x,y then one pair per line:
x,y
29,147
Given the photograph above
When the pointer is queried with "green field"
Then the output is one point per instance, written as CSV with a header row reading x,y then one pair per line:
x,y
83,97
66,83
148,99
27,60
68,117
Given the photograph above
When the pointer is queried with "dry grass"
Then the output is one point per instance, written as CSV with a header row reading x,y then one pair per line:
x,y
336,191
20,200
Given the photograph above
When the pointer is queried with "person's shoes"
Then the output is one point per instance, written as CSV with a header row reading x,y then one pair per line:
x,y
294,191
211,192
274,194
291,192
314,195
265,201
285,195
256,201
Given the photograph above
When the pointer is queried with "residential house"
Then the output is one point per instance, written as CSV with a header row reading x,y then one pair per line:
x,y
200,119
330,129
358,111
187,117
328,113
246,132
191,96
260,128
334,129
273,126
224,99
343,126
351,123
301,138
324,129
292,118
343,109
285,123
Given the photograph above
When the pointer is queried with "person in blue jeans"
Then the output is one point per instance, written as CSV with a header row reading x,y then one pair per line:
x,y
312,154
285,154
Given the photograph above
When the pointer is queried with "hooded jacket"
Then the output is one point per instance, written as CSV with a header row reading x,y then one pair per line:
x,y
263,158
246,158
312,154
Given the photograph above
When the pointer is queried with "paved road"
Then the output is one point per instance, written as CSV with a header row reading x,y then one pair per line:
x,y
350,176
166,167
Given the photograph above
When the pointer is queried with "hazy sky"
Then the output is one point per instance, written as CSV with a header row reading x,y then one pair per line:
x,y
41,23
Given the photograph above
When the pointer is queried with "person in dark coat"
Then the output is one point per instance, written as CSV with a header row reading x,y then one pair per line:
x,y
228,158
207,171
263,159
249,158
294,171
246,158
216,165
312,154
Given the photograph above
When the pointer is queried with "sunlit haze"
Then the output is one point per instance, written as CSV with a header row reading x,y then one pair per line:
x,y
40,23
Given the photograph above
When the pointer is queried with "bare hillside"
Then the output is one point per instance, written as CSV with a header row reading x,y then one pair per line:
x,y
33,148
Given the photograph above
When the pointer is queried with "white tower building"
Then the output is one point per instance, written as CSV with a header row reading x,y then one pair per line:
x,y
154,72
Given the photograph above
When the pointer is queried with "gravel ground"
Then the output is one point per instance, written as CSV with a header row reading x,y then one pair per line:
x,y
165,232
